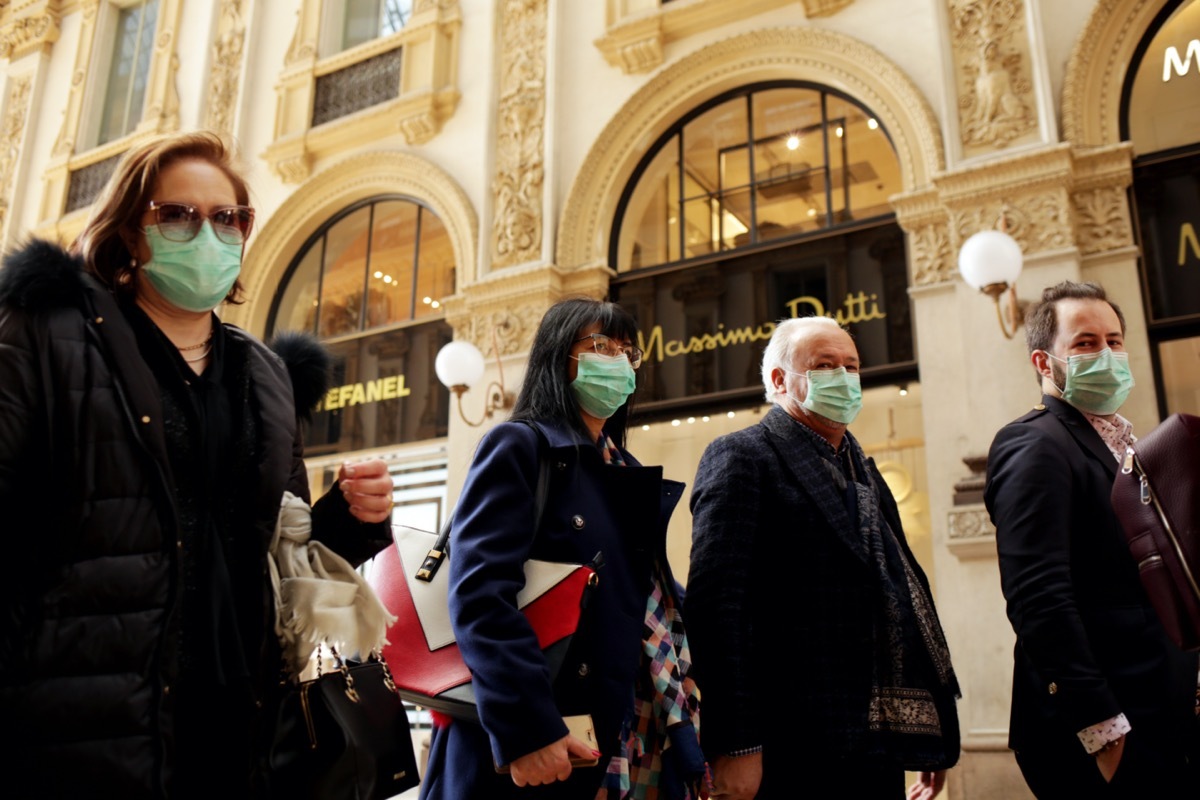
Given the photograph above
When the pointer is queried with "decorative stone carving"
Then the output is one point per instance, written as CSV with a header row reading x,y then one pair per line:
x,y
1103,219
824,8
520,160
226,67
994,87
970,533
931,255
16,110
303,46
971,523
28,34
638,30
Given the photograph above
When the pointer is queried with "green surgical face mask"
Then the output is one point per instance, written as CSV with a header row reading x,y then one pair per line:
x,y
1098,383
603,383
833,393
194,275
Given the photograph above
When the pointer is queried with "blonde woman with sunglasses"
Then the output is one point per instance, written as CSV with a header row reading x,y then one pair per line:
x,y
144,451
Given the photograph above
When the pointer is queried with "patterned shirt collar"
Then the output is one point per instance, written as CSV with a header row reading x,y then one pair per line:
x,y
1117,434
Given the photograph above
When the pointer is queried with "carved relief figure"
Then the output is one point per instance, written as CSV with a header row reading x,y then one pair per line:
x,y
520,165
994,89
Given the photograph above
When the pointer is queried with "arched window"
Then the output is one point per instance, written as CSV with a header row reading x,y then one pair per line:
x,y
1161,104
770,201
369,283
754,166
382,262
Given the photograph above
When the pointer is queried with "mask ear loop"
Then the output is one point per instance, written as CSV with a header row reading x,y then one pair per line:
x,y
1061,389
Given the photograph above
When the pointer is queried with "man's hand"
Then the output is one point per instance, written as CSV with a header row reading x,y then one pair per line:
x,y
367,487
927,785
736,777
551,763
1108,759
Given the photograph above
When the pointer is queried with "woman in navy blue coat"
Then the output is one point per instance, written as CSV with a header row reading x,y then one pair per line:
x,y
576,390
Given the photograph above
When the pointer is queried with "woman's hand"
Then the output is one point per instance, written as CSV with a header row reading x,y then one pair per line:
x,y
551,763
367,487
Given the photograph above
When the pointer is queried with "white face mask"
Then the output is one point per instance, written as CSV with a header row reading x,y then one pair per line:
x,y
1098,383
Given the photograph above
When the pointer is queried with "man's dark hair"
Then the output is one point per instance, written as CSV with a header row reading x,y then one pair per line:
x,y
546,393
1041,321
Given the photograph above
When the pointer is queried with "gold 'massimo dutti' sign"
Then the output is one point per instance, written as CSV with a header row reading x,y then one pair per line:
x,y
856,308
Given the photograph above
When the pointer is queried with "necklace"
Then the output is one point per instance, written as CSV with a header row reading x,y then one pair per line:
x,y
203,355
205,343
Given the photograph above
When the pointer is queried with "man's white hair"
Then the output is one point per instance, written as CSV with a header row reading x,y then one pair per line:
x,y
779,349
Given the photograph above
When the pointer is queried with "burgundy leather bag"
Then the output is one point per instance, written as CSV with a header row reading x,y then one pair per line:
x,y
1157,499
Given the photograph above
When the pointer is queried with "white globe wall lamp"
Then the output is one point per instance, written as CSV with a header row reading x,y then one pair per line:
x,y
459,366
991,262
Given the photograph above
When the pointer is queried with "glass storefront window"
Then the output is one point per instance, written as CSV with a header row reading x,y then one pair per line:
x,y
370,283
1164,99
757,166
1179,361
1161,115
383,262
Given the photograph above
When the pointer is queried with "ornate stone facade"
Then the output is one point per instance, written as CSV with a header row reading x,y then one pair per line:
x,y
28,34
520,136
228,46
991,58
16,110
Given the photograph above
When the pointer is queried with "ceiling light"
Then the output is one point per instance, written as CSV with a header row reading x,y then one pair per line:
x,y
872,124
793,142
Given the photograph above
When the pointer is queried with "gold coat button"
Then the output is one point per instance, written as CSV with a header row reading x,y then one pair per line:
x,y
145,419
584,670
1040,407
577,522
1053,688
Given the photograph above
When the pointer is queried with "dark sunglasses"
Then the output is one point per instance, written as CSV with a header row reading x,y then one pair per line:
x,y
180,222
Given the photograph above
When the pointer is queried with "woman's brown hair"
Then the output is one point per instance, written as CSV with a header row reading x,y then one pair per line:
x,y
117,211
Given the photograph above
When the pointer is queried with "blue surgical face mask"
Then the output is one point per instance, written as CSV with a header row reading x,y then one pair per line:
x,y
195,275
833,393
1098,383
603,383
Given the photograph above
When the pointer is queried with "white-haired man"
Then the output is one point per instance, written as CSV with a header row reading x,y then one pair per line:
x,y
797,548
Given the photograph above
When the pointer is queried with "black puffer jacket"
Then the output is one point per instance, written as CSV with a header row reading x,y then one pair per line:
x,y
90,599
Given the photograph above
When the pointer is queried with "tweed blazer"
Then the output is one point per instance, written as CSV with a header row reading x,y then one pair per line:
x,y
777,566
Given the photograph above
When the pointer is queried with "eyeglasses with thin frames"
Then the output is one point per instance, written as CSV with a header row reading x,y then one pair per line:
x,y
180,222
605,346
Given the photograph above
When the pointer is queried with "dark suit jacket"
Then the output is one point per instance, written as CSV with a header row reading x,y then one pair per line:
x,y
778,567
1089,645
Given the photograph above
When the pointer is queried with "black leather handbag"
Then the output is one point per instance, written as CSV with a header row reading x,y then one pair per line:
x,y
344,734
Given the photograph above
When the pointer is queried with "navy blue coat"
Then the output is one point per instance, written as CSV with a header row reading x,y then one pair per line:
x,y
591,508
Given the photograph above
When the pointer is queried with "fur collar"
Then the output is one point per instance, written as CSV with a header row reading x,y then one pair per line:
x,y
40,276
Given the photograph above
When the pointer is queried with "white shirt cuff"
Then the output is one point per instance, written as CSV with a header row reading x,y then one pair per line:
x,y
1094,737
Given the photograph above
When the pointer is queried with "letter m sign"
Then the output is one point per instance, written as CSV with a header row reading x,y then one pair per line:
x,y
1172,62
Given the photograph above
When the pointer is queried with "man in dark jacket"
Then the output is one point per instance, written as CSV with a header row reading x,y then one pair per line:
x,y
797,548
1102,700
95,502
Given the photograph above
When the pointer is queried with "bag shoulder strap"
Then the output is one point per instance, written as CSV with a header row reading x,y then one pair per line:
x,y
441,548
